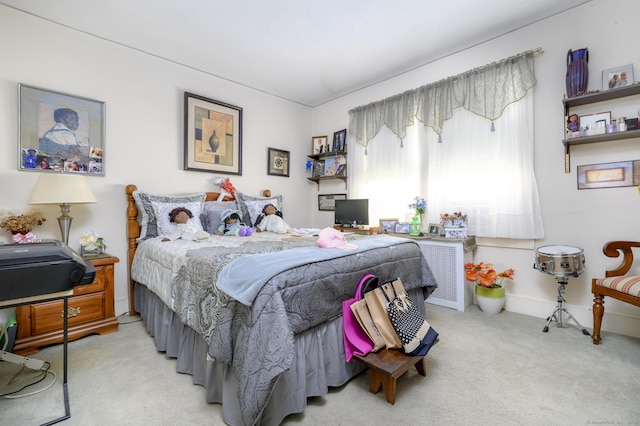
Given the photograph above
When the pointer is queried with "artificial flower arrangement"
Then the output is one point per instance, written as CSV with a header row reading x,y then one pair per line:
x,y
419,205
91,242
21,225
453,219
484,275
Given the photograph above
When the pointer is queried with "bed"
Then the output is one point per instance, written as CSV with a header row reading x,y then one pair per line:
x,y
260,342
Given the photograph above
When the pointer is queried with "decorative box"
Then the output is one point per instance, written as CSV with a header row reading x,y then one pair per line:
x,y
456,232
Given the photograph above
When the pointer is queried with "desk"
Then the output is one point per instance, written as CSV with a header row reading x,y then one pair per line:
x,y
64,295
366,230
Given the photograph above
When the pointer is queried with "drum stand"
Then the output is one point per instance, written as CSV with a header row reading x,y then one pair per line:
x,y
557,313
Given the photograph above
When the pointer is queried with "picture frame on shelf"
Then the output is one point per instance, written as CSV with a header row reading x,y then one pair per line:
x,y
387,226
77,144
434,229
331,165
327,202
403,228
212,135
319,144
318,168
339,139
620,76
341,170
595,124
277,162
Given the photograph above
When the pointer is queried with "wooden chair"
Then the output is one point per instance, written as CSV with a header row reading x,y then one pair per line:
x,y
616,284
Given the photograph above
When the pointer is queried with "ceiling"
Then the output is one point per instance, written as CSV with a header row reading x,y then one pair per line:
x,y
308,52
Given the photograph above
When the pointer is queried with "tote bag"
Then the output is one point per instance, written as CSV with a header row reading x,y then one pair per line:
x,y
377,305
356,341
362,314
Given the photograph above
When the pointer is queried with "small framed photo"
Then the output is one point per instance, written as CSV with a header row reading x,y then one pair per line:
x,y
319,144
620,76
434,229
327,202
277,162
212,135
341,170
318,168
339,139
595,124
403,228
60,133
331,165
388,226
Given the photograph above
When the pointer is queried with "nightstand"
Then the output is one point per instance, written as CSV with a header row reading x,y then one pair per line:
x,y
90,310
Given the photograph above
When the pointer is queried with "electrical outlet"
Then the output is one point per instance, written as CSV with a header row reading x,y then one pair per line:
x,y
34,364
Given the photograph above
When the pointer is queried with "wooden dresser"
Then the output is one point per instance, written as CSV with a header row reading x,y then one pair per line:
x,y
91,310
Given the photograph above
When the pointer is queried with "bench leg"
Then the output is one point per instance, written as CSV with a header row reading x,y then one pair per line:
x,y
387,383
420,367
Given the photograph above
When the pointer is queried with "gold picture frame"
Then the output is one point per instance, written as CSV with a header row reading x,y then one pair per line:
x,y
212,135
319,145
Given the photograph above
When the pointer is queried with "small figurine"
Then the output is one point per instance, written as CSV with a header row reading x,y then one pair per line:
x,y
232,224
271,220
184,229
573,123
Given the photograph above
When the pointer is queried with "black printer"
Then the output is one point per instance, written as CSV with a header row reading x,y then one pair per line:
x,y
35,269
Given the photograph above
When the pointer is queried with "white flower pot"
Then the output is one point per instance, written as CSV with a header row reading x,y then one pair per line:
x,y
490,300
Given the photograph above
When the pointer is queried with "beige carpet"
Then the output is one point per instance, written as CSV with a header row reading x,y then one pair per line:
x,y
487,369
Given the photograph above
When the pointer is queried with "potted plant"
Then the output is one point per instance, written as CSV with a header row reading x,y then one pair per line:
x,y
489,287
21,225
91,244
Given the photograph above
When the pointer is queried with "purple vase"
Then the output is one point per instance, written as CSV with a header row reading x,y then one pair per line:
x,y
577,71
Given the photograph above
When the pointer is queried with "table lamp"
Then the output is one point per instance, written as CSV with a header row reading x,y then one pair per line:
x,y
64,190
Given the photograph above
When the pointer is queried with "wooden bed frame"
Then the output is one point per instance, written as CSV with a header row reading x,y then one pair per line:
x,y
134,229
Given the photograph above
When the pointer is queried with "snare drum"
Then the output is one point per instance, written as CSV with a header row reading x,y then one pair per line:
x,y
561,261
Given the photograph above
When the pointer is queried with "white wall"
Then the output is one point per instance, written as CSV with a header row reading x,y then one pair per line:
x,y
583,218
144,129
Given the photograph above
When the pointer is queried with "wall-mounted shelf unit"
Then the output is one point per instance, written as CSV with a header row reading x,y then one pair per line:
x,y
324,156
593,98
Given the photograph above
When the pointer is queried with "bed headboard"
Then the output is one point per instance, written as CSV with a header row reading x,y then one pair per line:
x,y
134,228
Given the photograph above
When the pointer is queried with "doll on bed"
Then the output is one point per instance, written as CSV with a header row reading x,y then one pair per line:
x,y
232,225
185,230
271,220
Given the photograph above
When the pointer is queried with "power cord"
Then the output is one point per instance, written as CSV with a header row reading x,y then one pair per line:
x,y
45,372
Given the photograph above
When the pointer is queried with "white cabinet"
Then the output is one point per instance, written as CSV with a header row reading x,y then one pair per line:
x,y
446,259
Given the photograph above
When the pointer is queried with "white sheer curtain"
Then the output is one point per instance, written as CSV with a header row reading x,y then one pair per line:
x,y
485,174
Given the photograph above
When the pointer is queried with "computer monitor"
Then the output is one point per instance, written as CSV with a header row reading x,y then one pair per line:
x,y
349,211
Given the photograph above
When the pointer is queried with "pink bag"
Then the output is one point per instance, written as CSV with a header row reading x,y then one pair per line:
x,y
356,341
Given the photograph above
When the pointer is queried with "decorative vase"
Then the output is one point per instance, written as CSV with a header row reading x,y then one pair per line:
x,y
577,71
490,300
415,227
91,253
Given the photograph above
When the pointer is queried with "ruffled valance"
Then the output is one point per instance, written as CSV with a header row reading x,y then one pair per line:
x,y
485,91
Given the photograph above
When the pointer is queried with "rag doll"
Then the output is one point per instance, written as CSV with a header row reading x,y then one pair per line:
x,y
184,229
232,225
271,220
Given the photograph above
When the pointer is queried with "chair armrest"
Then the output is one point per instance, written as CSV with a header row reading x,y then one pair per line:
x,y
613,249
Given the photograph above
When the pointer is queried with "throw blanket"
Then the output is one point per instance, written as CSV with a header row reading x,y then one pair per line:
x,y
234,281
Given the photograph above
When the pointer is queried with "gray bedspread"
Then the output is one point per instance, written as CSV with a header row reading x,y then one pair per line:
x,y
258,340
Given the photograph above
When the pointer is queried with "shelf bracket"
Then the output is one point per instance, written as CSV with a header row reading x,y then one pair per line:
x,y
567,160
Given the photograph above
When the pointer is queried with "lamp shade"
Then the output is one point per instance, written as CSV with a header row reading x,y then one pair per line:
x,y
61,189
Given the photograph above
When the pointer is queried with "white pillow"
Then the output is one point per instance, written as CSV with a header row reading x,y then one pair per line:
x,y
146,215
162,210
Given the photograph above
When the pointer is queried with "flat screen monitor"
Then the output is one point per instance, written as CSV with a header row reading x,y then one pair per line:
x,y
350,211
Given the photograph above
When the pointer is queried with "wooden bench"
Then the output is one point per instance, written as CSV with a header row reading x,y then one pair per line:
x,y
386,366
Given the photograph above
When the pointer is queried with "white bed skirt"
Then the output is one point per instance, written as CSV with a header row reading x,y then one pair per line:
x,y
319,362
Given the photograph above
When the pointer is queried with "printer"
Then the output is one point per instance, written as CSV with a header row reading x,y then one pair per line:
x,y
35,269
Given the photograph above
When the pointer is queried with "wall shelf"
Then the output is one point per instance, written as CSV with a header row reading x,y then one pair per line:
x,y
592,98
318,179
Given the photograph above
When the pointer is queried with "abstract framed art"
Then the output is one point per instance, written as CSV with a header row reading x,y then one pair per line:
x,y
277,162
59,132
212,135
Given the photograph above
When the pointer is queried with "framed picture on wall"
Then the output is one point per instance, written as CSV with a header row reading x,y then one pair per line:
x,y
212,135
327,202
277,162
59,132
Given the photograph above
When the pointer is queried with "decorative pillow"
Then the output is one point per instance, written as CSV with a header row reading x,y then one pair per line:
x,y
146,215
251,207
165,226
212,212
